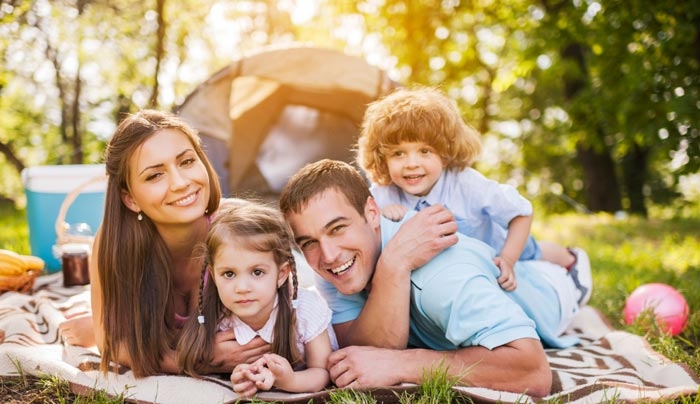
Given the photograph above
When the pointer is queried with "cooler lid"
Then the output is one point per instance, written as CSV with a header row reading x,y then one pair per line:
x,y
63,178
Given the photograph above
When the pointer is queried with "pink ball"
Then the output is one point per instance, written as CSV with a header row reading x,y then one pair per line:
x,y
669,306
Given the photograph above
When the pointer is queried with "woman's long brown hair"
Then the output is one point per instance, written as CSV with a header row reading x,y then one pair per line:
x,y
134,265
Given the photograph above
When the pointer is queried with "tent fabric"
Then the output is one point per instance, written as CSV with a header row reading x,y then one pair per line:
x,y
267,114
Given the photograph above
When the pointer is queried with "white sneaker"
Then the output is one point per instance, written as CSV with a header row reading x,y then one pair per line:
x,y
581,275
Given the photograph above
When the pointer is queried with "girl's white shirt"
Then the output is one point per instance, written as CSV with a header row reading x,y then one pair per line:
x,y
313,316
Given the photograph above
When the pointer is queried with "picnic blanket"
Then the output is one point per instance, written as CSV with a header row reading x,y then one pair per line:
x,y
609,365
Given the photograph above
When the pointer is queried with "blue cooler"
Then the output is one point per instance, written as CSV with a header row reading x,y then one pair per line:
x,y
46,188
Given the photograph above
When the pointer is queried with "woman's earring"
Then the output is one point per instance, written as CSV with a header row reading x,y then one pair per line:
x,y
206,211
139,217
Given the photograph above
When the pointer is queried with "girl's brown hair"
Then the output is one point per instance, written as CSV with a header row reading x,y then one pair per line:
x,y
415,115
259,228
134,265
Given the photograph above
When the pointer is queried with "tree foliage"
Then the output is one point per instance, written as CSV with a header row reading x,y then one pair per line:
x,y
603,94
583,104
626,73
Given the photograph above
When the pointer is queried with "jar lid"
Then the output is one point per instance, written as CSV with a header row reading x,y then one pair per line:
x,y
75,248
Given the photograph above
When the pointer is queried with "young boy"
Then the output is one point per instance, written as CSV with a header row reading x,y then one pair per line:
x,y
417,151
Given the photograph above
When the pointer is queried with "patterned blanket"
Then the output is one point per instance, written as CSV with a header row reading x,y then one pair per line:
x,y
608,366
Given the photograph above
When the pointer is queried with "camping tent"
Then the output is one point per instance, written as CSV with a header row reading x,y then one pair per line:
x,y
265,115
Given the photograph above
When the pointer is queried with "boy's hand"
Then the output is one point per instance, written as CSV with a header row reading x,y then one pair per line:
x,y
507,278
394,212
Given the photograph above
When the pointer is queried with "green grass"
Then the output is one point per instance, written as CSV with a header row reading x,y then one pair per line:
x,y
15,231
624,254
47,389
628,253
50,390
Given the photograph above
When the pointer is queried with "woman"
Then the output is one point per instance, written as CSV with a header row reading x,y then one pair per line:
x,y
161,194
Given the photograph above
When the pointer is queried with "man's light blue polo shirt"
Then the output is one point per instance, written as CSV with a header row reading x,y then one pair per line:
x,y
457,302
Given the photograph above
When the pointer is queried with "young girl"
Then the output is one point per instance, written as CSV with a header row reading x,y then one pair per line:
x,y
245,290
417,151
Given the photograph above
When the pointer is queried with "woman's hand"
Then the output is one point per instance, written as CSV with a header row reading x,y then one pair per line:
x,y
228,352
78,330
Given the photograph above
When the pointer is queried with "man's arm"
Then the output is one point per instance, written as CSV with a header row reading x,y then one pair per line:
x,y
383,321
519,366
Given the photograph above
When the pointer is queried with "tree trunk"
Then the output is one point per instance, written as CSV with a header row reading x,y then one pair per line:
x,y
52,55
599,180
77,154
634,176
160,52
11,157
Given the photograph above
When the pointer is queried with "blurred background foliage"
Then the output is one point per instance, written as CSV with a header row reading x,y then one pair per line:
x,y
584,105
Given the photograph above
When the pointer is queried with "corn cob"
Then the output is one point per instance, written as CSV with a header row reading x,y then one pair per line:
x,y
33,263
11,263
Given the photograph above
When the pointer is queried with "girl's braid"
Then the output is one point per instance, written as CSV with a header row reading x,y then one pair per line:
x,y
295,281
202,279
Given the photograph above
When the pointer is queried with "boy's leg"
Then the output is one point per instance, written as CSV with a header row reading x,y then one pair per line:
x,y
556,253
580,273
561,281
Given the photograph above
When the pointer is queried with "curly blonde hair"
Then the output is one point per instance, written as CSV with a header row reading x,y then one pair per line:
x,y
415,115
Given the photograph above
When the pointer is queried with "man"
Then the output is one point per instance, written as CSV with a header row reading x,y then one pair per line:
x,y
389,292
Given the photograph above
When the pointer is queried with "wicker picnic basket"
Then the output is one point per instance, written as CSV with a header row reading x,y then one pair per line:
x,y
23,282
63,236
18,272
